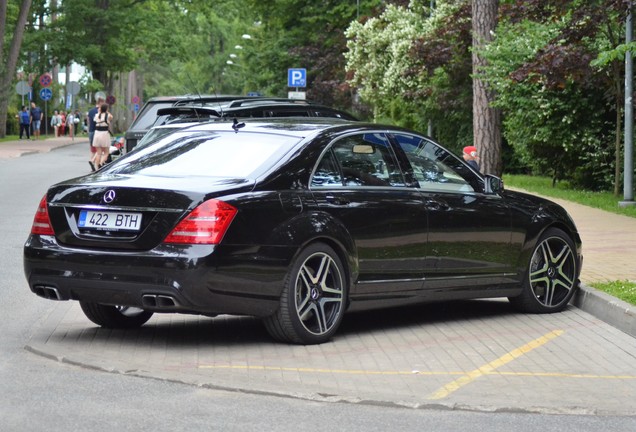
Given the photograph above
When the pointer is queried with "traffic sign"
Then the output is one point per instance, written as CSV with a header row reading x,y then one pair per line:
x,y
46,94
298,95
73,87
22,88
136,99
297,77
110,100
46,79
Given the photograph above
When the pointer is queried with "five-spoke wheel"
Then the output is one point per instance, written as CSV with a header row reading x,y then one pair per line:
x,y
313,298
551,278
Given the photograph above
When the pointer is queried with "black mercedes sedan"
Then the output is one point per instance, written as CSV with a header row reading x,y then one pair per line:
x,y
295,221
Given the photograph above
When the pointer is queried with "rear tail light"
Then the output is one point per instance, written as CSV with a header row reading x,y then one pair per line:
x,y
41,221
206,224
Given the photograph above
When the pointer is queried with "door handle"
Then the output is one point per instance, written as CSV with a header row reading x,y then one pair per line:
x,y
331,199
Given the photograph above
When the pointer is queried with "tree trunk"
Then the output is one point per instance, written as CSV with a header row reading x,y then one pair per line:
x,y
7,73
486,119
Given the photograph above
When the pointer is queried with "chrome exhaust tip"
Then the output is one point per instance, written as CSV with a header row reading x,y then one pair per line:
x,y
47,292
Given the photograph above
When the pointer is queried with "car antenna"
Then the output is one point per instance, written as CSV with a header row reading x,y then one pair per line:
x,y
236,125
196,112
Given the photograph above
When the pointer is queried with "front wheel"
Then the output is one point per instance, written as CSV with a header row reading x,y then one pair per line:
x,y
313,298
551,278
120,317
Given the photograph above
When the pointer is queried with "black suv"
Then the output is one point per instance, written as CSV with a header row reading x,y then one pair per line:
x,y
147,116
165,111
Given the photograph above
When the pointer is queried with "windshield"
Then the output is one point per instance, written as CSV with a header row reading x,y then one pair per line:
x,y
218,154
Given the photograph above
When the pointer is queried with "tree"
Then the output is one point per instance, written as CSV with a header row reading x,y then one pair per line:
x,y
8,66
560,112
486,118
313,38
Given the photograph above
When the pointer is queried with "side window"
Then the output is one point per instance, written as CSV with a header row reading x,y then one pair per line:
x,y
359,160
327,173
435,168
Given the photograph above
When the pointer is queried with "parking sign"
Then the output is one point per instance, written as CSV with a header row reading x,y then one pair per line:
x,y
297,77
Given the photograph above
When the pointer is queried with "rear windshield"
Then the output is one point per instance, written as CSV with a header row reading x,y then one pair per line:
x,y
218,154
148,115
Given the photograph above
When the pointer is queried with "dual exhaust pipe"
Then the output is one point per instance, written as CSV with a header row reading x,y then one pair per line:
x,y
47,292
154,301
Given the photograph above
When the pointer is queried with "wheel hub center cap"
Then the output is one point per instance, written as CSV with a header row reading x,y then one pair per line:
x,y
551,272
315,293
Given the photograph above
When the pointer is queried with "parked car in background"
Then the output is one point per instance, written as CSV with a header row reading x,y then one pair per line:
x,y
147,117
281,108
295,221
178,116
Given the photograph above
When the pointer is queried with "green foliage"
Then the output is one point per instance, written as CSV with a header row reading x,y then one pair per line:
x,y
414,67
302,33
558,117
624,290
543,186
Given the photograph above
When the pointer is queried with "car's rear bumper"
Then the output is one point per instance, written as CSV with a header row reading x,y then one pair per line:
x,y
170,278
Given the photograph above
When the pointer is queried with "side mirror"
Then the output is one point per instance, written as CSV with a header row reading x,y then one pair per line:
x,y
493,185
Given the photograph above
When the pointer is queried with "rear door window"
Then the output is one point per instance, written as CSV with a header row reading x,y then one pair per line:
x,y
359,160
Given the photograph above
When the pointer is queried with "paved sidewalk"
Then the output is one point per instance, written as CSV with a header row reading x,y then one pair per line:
x,y
476,355
12,149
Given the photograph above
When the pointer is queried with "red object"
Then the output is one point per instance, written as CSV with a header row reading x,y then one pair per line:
x,y
206,224
46,79
471,150
41,221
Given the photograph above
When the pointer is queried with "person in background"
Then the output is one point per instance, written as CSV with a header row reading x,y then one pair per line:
x,y
62,127
76,122
25,122
36,120
55,123
101,140
90,120
470,156
70,125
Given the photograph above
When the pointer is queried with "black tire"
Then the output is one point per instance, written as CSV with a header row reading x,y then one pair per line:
x,y
115,317
552,275
313,299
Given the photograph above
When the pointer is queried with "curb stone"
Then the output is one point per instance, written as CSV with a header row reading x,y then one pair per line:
x,y
607,308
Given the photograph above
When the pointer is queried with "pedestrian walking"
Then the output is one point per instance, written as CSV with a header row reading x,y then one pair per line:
x,y
101,140
36,120
90,120
25,122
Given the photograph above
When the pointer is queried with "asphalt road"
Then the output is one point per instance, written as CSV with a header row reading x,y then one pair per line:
x,y
37,393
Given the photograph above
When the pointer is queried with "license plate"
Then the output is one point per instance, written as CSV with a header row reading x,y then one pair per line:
x,y
109,220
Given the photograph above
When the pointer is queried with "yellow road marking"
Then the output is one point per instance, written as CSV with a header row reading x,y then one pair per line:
x,y
490,367
423,373
331,371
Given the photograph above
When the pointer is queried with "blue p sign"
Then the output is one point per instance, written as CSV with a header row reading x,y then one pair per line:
x,y
297,77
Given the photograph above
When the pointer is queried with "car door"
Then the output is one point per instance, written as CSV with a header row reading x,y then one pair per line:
x,y
360,185
469,231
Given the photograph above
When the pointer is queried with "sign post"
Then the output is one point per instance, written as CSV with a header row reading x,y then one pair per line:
x,y
296,77
22,88
46,94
